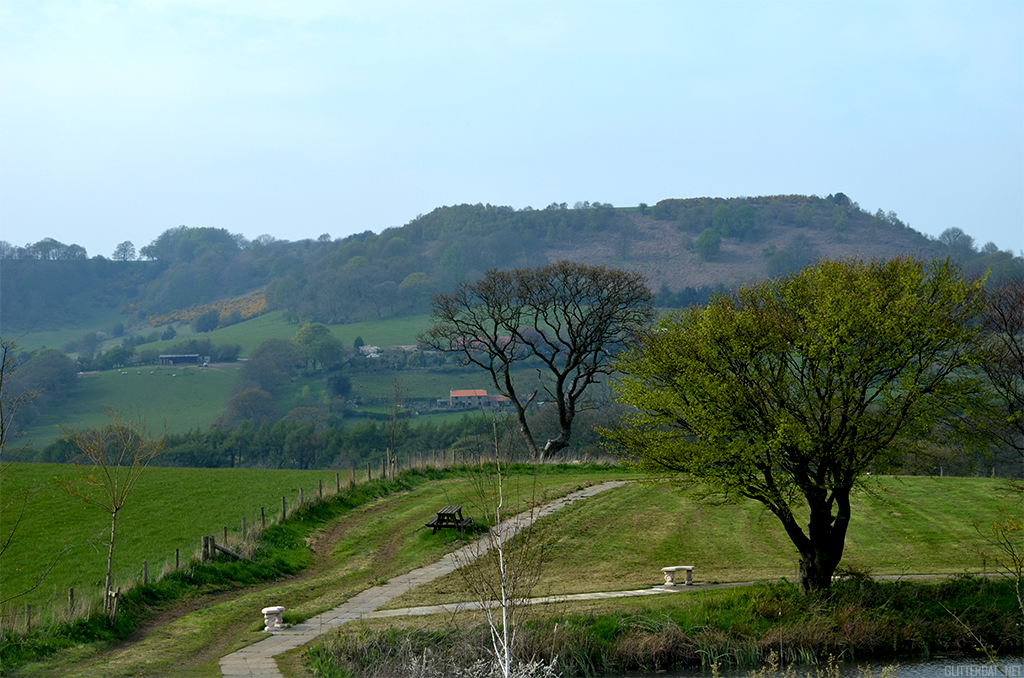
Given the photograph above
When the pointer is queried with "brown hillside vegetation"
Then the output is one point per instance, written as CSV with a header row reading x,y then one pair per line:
x,y
664,251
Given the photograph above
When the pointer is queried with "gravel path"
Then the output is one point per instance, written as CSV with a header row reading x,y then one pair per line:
x,y
257,660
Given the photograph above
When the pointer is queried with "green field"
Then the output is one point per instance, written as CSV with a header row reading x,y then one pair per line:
x,y
620,539
183,397
170,508
189,398
392,331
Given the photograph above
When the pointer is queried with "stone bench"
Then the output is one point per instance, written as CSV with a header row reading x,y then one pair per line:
x,y
273,619
670,574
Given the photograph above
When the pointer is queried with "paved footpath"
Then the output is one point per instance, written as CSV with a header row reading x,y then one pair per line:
x,y
257,660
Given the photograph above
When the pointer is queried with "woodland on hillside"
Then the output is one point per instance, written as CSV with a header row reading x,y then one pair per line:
x,y
687,249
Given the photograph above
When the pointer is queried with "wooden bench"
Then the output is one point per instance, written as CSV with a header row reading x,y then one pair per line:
x,y
449,516
670,574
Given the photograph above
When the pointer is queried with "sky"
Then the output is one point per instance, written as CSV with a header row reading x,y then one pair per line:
x,y
122,119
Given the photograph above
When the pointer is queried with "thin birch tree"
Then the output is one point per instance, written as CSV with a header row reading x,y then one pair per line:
x,y
502,567
119,452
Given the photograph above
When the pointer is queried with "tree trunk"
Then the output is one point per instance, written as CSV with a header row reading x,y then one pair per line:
x,y
821,553
110,563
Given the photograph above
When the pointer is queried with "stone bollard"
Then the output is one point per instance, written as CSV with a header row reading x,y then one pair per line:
x,y
272,619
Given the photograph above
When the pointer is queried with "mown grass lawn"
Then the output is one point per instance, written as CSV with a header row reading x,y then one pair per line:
x,y
621,539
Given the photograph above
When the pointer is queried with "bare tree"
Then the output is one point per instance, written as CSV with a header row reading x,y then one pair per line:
x,y
10,402
119,452
502,567
393,434
1004,363
568,317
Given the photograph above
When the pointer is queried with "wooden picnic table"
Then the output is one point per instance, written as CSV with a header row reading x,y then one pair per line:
x,y
449,516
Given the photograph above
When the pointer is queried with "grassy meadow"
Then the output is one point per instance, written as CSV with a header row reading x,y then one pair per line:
x,y
170,508
182,397
617,540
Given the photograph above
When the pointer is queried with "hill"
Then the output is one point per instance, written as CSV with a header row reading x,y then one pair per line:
x,y
205,291
678,244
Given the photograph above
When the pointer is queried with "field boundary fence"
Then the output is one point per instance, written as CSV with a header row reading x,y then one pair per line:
x,y
241,537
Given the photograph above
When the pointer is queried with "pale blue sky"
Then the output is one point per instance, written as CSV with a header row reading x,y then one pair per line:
x,y
119,120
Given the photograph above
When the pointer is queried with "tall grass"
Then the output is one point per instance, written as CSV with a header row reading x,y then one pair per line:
x,y
859,619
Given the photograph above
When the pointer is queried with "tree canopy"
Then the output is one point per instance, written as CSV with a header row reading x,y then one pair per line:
x,y
789,391
317,345
568,318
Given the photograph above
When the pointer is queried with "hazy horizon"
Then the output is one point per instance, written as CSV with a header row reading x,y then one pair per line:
x,y
120,120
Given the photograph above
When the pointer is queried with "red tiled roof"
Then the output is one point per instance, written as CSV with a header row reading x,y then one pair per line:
x,y
468,393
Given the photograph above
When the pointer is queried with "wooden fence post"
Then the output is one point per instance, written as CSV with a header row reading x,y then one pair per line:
x,y
28,617
337,479
321,488
369,473
177,559
225,534
284,509
263,517
71,600
302,498
352,479
145,573
206,549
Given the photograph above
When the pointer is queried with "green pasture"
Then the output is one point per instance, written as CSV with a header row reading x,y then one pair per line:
x,y
373,543
621,539
93,320
616,540
183,397
171,508
385,332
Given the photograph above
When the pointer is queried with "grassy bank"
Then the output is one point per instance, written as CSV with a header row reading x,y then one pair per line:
x,y
859,619
352,546
616,540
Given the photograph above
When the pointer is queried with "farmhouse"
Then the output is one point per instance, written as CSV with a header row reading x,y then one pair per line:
x,y
476,398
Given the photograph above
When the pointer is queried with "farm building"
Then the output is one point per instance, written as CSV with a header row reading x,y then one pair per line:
x,y
476,398
184,359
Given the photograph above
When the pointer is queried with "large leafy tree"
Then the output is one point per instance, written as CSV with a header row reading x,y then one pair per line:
x,y
316,343
789,391
568,318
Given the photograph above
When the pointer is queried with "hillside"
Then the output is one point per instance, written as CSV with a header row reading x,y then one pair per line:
x,y
55,287
204,291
